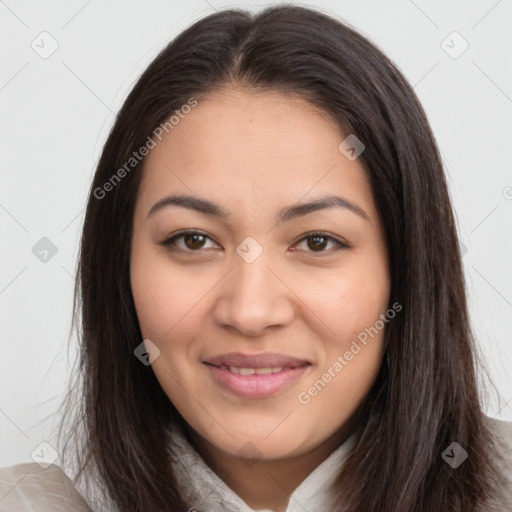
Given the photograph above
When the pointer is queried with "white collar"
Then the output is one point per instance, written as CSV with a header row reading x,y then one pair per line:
x,y
207,492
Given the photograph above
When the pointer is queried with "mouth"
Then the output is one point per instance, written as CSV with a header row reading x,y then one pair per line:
x,y
256,371
262,361
255,382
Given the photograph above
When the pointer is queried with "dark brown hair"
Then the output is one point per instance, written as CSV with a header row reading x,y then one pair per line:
x,y
428,396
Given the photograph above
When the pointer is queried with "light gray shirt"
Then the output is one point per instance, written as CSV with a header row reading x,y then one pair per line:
x,y
30,488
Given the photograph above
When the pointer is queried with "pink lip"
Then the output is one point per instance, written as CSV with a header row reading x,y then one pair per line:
x,y
256,386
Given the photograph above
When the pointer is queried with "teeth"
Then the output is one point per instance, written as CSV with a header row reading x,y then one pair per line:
x,y
252,371
263,371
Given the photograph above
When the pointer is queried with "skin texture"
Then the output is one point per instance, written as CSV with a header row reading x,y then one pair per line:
x,y
254,154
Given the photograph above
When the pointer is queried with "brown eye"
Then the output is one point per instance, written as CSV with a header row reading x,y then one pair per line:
x,y
194,241
318,241
191,241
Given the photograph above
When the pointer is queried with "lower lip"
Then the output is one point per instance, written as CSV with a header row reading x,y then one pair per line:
x,y
256,386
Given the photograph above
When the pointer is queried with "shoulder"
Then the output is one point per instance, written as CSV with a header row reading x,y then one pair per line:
x,y
502,433
31,488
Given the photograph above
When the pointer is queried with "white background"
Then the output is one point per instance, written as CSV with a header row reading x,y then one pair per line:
x,y
56,112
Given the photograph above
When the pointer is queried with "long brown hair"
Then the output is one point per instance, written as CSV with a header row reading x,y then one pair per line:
x,y
422,401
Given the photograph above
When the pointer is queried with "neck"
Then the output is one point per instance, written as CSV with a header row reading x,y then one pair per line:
x,y
267,483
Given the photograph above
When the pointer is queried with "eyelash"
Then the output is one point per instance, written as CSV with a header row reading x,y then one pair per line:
x,y
169,243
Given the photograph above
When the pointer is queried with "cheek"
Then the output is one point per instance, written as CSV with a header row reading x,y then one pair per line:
x,y
165,298
349,303
352,355
168,305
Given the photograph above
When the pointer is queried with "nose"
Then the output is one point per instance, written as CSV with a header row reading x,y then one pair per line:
x,y
252,298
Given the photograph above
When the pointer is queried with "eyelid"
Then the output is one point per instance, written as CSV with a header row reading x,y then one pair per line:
x,y
168,242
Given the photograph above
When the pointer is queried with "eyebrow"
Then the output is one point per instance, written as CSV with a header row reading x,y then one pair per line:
x,y
285,214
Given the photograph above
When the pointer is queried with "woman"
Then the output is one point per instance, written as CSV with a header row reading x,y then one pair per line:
x,y
271,292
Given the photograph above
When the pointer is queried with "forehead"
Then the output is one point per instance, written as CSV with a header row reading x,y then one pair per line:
x,y
233,122
264,148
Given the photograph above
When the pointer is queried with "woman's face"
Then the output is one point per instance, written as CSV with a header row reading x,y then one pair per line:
x,y
256,289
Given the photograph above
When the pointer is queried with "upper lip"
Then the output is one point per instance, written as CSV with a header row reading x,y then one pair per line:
x,y
266,360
